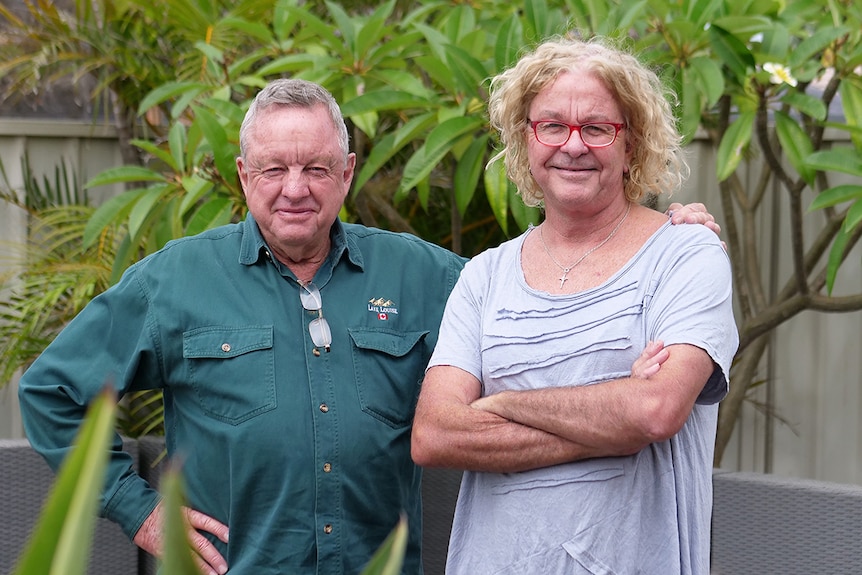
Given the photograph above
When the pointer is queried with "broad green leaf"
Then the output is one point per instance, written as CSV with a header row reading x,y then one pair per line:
x,y
633,12
373,30
467,173
776,42
808,105
177,144
416,169
497,191
123,258
111,212
61,541
510,40
381,100
448,131
389,557
256,30
195,187
836,195
391,51
403,81
168,91
469,73
436,40
423,191
225,109
283,20
224,152
315,26
295,62
813,45
346,25
157,152
733,143
731,52
743,27
523,215
851,102
845,160
390,145
124,174
691,103
700,12
367,122
439,143
438,70
836,255
710,78
142,211
536,18
210,52
460,21
796,145
215,212
854,217
178,558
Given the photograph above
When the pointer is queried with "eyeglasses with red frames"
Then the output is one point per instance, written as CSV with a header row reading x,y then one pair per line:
x,y
594,135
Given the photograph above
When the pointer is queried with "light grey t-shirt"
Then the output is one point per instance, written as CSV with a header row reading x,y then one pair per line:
x,y
647,513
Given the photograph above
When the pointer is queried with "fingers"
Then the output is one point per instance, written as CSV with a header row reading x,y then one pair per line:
x,y
694,213
650,360
203,522
209,560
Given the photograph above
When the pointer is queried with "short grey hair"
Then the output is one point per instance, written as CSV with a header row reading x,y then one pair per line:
x,y
293,93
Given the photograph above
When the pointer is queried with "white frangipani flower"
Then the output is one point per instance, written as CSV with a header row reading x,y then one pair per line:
x,y
780,74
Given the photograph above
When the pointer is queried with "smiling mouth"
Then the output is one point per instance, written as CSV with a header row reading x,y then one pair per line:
x,y
573,168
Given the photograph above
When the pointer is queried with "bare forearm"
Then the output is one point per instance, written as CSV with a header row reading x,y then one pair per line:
x,y
604,420
466,438
617,417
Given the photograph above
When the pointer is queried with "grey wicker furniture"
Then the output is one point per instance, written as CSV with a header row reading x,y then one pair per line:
x,y
767,524
762,524
25,480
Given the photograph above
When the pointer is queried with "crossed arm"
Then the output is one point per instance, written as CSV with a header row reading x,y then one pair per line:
x,y
521,430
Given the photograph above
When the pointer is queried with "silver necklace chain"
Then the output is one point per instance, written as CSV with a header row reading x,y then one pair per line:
x,y
565,269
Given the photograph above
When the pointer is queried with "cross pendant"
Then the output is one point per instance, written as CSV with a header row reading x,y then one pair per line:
x,y
563,278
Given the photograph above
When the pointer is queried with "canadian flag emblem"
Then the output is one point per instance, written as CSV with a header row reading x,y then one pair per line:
x,y
382,316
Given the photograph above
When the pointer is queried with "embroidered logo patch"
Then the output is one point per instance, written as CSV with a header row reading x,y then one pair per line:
x,y
382,307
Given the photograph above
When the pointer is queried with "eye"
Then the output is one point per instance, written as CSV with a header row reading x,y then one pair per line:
x,y
552,127
272,173
597,129
317,171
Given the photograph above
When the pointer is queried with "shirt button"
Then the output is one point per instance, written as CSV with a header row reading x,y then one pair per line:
x,y
327,528
225,347
327,467
324,408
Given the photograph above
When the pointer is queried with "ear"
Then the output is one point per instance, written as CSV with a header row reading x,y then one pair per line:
x,y
243,175
629,153
349,168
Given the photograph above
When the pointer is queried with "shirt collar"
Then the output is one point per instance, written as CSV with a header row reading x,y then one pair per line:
x,y
254,246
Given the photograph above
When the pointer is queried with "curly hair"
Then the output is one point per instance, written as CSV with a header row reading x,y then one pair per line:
x,y
657,162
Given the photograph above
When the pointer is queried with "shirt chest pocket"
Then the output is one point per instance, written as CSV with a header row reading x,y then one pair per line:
x,y
232,371
388,368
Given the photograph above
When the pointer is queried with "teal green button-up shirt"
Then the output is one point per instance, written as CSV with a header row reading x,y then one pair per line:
x,y
304,454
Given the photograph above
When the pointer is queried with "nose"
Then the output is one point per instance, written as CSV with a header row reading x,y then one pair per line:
x,y
294,183
575,145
